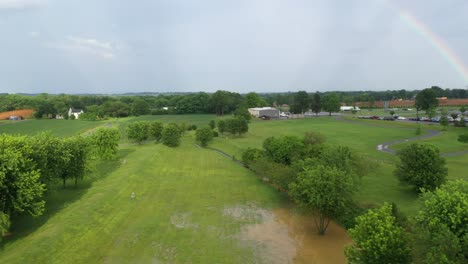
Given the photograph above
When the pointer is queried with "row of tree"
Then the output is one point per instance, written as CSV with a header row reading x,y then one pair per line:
x,y
170,134
29,166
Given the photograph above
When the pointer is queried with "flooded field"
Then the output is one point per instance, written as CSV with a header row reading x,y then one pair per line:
x,y
283,236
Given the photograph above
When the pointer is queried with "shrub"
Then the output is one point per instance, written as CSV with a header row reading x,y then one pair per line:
x,y
313,138
212,124
138,131
155,130
215,134
418,130
251,155
204,135
171,135
192,127
463,138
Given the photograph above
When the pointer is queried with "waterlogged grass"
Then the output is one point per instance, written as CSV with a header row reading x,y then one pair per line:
x,y
177,216
59,128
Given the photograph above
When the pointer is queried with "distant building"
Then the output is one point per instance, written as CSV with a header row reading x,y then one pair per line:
x,y
349,108
267,112
75,112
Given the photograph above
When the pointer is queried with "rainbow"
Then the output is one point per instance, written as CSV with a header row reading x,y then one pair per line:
x,y
439,44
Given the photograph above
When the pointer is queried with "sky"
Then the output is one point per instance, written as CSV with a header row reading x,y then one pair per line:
x,y
117,46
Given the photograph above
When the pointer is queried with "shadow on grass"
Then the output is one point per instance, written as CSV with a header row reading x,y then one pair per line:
x,y
58,198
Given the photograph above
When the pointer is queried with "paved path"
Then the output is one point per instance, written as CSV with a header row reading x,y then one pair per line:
x,y
385,147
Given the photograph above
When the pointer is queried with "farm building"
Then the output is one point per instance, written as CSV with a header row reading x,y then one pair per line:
x,y
75,112
268,112
349,108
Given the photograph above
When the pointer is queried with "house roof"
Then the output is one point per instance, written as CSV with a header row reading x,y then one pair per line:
x,y
76,110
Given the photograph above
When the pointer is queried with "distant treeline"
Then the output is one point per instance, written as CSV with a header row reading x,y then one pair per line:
x,y
220,102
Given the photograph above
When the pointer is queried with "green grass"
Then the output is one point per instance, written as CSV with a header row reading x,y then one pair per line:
x,y
99,222
186,183
60,128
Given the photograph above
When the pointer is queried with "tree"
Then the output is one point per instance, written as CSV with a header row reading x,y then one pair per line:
x,y
463,138
300,103
155,130
331,103
20,188
462,109
4,224
221,126
313,138
212,124
243,112
138,131
421,166
283,149
171,135
204,135
316,104
79,150
235,126
251,155
378,239
444,119
326,190
442,224
105,142
140,107
426,100
253,100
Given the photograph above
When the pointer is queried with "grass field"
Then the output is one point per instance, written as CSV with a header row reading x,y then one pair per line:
x,y
59,128
178,215
190,204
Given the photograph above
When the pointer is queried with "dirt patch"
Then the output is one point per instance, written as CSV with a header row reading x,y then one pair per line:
x,y
183,220
282,236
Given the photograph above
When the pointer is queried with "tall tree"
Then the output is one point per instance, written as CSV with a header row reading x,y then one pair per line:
x,y
426,100
301,102
326,190
253,100
378,239
421,166
171,135
331,103
442,224
316,104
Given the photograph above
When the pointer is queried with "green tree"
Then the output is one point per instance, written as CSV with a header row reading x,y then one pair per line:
x,y
331,103
462,109
20,188
253,100
212,124
243,112
316,104
105,142
236,126
140,107
221,126
155,130
283,149
442,224
171,135
325,190
426,100
378,239
138,131
444,119
79,151
4,224
301,102
251,155
204,135
463,138
421,166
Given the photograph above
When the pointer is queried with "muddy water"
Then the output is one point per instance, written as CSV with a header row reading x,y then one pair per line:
x,y
282,236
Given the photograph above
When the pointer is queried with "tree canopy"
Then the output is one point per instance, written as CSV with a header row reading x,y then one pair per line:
x,y
426,100
331,103
421,166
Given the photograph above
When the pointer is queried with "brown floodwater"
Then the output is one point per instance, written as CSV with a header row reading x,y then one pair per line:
x,y
283,236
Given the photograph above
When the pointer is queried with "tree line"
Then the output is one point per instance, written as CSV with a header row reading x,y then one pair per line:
x,y
323,179
30,166
220,103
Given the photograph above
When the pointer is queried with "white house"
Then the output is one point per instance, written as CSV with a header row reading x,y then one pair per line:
x,y
75,112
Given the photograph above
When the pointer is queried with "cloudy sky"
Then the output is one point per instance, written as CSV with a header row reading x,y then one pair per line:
x,y
116,46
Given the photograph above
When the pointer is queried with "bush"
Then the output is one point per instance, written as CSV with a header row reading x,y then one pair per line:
x,y
215,134
192,127
313,138
283,149
171,135
138,131
212,124
461,123
221,126
105,142
279,175
418,130
204,135
421,166
155,130
251,155
463,138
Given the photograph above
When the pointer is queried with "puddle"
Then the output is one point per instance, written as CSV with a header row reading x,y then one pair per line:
x,y
282,236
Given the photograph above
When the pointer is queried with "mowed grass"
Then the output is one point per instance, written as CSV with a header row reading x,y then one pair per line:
x,y
178,215
59,128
